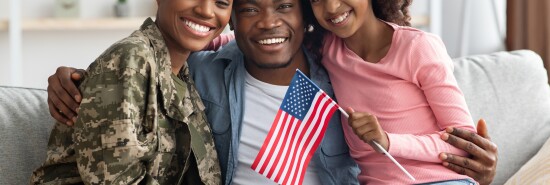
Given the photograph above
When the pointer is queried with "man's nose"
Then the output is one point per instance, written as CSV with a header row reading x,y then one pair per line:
x,y
269,21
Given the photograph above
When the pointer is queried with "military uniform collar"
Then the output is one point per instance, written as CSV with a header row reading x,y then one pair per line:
x,y
172,104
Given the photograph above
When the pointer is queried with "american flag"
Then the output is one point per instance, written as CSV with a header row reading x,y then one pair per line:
x,y
295,133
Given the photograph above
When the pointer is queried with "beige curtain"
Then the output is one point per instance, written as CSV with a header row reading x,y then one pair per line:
x,y
528,27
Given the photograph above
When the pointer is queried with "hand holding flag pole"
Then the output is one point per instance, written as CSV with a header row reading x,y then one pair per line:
x,y
383,150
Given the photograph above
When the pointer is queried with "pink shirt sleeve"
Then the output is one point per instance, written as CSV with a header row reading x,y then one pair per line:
x,y
219,41
432,70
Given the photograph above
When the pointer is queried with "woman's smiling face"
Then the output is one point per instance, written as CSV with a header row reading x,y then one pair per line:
x,y
192,24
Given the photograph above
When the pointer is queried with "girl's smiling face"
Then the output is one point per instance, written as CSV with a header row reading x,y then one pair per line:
x,y
342,17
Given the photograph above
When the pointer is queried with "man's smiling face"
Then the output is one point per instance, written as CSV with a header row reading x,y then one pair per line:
x,y
268,32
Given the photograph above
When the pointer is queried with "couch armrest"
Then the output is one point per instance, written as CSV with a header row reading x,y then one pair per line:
x,y
25,125
510,91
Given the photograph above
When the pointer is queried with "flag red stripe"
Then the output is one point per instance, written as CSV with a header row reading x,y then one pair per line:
x,y
288,152
318,141
308,123
269,135
311,138
277,144
279,147
274,142
283,148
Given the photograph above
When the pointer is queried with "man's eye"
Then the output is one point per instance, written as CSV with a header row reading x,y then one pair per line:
x,y
249,10
283,6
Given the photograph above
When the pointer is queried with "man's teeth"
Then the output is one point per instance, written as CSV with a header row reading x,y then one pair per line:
x,y
272,41
340,18
196,27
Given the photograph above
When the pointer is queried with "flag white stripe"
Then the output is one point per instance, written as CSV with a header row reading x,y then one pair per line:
x,y
277,145
316,136
286,147
306,135
321,113
293,152
271,142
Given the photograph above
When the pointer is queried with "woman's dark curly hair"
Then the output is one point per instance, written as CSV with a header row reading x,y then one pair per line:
x,y
395,11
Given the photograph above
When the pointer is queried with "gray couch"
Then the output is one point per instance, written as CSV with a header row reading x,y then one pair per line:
x,y
508,89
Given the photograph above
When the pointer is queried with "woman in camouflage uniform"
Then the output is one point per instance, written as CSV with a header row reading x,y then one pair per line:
x,y
141,120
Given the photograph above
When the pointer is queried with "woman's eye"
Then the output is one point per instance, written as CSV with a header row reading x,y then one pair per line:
x,y
224,4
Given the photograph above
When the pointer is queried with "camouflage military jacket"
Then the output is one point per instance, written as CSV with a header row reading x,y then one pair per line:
x,y
132,126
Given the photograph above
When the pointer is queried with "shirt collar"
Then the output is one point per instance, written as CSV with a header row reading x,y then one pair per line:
x,y
171,102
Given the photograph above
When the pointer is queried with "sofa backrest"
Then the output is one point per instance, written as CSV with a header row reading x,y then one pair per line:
x,y
25,125
510,91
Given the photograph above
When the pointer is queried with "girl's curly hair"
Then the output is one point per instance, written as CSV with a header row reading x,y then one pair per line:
x,y
395,11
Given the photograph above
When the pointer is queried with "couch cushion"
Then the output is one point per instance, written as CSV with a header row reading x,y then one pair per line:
x,y
25,125
536,171
510,91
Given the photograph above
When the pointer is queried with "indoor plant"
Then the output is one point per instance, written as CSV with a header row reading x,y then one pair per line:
x,y
122,9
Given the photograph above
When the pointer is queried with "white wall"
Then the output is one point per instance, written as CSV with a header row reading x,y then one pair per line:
x,y
43,51
482,33
4,47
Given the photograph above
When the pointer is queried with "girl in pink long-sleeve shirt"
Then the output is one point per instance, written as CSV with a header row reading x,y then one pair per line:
x,y
400,81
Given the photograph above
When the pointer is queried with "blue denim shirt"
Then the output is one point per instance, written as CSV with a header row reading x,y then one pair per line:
x,y
220,78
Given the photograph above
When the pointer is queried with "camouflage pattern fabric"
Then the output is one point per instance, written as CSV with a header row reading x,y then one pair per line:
x,y
133,128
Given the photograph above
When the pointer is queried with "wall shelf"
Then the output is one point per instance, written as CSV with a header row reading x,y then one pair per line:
x,y
3,25
419,21
75,24
54,24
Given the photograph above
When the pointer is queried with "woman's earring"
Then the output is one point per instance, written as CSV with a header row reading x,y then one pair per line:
x,y
310,28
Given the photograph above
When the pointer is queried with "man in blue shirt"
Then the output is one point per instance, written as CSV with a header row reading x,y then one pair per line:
x,y
242,86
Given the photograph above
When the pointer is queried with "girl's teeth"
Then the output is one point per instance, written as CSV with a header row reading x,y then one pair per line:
x,y
340,18
196,27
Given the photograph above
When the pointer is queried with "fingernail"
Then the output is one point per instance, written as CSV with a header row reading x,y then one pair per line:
x,y
444,136
445,164
70,123
77,98
443,156
74,119
449,130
